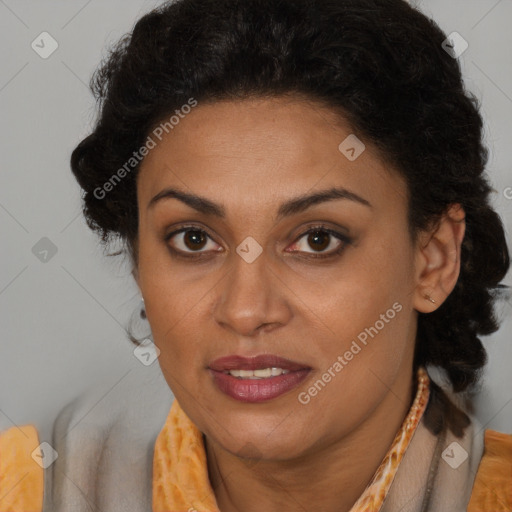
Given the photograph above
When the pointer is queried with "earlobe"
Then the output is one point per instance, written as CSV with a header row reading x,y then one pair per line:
x,y
438,260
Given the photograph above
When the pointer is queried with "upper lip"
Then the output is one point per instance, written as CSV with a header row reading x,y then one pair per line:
x,y
236,362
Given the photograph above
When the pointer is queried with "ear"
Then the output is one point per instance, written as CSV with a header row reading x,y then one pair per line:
x,y
438,260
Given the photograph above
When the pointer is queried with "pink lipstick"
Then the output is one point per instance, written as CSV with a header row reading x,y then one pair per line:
x,y
257,379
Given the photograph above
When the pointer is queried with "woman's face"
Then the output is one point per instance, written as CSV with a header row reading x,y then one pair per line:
x,y
248,280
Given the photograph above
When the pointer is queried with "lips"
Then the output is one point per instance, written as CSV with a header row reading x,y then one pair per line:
x,y
261,389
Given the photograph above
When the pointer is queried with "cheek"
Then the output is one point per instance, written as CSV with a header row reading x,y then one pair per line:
x,y
383,270
366,309
166,302
173,317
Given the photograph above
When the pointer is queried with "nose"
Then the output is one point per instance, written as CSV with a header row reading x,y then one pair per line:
x,y
252,297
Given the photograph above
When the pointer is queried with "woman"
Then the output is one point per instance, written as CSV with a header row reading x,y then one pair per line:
x,y
300,187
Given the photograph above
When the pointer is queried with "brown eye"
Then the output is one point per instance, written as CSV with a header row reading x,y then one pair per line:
x,y
319,240
188,240
194,239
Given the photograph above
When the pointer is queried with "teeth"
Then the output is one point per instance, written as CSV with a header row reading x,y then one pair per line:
x,y
264,373
267,372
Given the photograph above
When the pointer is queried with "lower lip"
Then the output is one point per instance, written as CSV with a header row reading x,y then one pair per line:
x,y
258,390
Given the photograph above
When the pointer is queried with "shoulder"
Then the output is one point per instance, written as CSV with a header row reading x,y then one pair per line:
x,y
100,449
21,469
105,440
492,490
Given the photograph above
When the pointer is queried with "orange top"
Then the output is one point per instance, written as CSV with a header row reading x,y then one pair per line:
x,y
21,472
493,486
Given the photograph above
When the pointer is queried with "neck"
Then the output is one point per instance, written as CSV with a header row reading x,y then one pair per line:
x,y
330,479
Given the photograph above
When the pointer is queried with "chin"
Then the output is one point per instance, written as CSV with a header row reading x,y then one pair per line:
x,y
255,450
256,440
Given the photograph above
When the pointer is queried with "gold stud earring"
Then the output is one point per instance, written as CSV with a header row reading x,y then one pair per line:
x,y
428,297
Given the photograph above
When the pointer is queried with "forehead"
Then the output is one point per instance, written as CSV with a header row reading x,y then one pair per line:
x,y
256,150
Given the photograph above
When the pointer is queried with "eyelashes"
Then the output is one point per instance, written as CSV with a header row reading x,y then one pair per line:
x,y
193,237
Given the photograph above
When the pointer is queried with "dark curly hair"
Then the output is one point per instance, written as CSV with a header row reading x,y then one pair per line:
x,y
379,63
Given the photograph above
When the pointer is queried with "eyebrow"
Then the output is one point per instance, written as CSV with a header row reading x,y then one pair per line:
x,y
291,207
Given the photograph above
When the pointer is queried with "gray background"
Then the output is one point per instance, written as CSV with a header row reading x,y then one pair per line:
x,y
62,320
